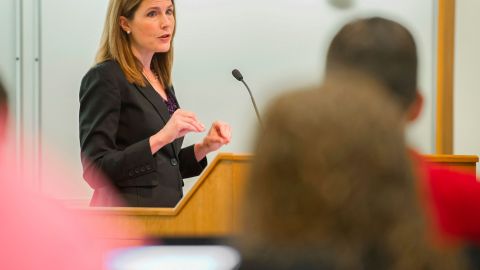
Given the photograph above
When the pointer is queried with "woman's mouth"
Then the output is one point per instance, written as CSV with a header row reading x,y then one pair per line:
x,y
165,37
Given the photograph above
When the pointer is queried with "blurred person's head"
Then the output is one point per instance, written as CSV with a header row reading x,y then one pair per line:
x,y
384,50
331,185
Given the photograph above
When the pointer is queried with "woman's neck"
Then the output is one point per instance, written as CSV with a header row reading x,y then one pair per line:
x,y
144,56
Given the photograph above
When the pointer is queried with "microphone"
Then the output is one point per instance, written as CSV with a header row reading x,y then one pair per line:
x,y
236,73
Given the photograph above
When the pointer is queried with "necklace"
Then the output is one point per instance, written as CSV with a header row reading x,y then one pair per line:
x,y
155,77
160,92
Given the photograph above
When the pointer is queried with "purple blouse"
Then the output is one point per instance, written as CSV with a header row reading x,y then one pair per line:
x,y
171,103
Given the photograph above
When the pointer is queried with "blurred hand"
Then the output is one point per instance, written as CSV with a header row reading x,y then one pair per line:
x,y
218,135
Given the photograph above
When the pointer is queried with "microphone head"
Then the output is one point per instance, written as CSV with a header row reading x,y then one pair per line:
x,y
236,73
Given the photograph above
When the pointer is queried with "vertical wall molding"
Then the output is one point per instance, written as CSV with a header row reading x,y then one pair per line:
x,y
28,83
19,85
445,68
37,94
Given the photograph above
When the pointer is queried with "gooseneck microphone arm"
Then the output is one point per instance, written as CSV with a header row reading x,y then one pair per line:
x,y
236,73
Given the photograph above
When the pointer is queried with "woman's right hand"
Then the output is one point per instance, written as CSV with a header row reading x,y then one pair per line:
x,y
181,123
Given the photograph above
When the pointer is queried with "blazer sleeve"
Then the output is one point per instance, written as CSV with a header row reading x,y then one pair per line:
x,y
100,105
189,166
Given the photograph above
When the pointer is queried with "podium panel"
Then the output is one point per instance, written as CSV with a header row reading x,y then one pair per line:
x,y
210,209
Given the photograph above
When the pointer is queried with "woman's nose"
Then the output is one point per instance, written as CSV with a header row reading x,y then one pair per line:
x,y
165,21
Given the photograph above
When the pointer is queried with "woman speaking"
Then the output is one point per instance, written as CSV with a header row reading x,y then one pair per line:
x,y
131,125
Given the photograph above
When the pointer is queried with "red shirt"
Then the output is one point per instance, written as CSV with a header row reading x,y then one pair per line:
x,y
452,200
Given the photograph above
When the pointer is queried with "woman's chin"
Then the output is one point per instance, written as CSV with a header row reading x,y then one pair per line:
x,y
162,48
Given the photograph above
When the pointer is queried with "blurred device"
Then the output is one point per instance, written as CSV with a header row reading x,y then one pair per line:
x,y
175,255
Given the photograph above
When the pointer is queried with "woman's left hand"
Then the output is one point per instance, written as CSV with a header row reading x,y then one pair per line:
x,y
218,135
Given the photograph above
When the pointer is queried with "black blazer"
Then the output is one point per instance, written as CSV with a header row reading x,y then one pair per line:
x,y
116,120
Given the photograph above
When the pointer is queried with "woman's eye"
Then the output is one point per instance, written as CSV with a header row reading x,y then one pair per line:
x,y
169,12
152,14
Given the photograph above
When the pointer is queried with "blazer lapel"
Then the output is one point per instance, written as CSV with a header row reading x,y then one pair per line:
x,y
157,102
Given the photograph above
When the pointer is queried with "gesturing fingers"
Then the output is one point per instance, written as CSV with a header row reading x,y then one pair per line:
x,y
193,118
197,126
223,130
187,120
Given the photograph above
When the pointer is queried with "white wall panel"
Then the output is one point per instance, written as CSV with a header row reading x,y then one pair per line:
x,y
467,78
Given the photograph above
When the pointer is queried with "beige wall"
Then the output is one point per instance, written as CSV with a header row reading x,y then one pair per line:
x,y
467,78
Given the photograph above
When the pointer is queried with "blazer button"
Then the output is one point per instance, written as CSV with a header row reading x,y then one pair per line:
x,y
148,167
174,162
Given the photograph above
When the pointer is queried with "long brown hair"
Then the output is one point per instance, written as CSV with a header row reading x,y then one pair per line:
x,y
332,184
115,45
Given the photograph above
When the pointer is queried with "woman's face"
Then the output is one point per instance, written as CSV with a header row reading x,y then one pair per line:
x,y
151,28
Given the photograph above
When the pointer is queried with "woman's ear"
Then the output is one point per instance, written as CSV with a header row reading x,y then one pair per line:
x,y
124,24
415,108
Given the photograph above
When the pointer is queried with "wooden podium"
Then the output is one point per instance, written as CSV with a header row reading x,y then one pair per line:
x,y
211,208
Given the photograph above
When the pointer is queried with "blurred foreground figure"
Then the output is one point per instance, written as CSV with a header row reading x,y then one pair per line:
x,y
385,51
39,233
332,187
